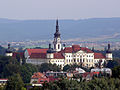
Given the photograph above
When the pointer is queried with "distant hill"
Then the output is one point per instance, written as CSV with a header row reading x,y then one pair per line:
x,y
96,28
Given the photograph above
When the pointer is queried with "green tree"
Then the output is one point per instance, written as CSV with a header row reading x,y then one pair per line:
x,y
14,83
18,57
66,67
48,67
26,71
10,69
116,72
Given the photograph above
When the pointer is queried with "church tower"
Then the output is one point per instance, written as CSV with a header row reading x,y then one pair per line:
x,y
109,53
57,41
8,51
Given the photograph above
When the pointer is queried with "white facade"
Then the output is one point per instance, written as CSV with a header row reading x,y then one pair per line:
x,y
8,54
80,57
57,44
36,61
109,56
58,62
50,55
68,55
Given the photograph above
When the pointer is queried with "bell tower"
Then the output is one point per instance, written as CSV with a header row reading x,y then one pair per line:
x,y
57,41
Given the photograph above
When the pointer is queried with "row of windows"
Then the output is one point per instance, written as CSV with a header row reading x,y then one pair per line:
x,y
89,60
98,61
33,61
58,61
80,60
79,56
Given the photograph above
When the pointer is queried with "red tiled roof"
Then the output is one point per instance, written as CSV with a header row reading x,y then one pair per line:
x,y
38,55
58,56
42,80
38,75
68,50
41,53
18,53
88,73
36,51
98,56
86,49
52,78
76,48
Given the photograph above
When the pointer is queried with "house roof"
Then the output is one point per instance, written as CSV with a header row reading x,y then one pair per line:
x,y
38,75
58,56
42,53
52,78
38,55
42,80
30,51
98,56
76,48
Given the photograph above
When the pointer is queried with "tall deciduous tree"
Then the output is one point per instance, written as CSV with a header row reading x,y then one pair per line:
x,y
48,67
14,83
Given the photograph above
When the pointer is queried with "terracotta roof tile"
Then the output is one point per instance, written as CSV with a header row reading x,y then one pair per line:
x,y
38,55
98,56
38,75
58,56
42,80
30,51
76,48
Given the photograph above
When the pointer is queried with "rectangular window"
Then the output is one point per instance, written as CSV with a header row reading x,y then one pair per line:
x,y
74,60
80,60
83,60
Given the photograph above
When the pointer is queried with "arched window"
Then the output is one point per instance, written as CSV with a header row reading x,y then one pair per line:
x,y
58,46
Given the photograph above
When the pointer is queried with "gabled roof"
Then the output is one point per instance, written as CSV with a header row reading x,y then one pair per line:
x,y
75,48
38,55
68,50
86,50
38,75
42,80
98,56
42,53
36,51
58,56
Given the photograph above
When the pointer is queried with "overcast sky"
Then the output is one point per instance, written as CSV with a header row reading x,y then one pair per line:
x,y
62,9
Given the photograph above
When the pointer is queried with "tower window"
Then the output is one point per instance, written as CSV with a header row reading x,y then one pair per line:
x,y
58,46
